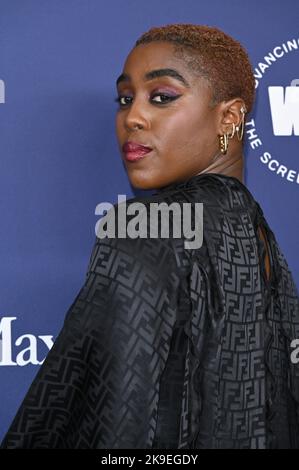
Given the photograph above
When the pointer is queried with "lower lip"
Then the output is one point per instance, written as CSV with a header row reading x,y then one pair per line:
x,y
137,155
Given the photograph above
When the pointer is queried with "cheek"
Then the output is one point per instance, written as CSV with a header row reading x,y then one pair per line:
x,y
118,125
187,132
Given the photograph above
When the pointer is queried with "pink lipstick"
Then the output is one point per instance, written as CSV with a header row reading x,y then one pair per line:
x,y
134,151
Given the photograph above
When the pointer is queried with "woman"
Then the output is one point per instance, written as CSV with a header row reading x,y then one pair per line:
x,y
164,346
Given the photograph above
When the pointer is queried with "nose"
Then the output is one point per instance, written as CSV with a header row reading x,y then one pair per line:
x,y
136,117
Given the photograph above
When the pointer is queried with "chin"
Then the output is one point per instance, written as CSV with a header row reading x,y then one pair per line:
x,y
141,184
139,181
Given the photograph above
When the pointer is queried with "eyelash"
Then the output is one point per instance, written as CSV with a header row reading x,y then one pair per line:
x,y
169,99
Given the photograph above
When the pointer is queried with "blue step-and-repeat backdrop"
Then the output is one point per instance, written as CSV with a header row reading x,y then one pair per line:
x,y
59,157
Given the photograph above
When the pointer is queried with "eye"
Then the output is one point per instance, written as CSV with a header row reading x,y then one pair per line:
x,y
164,99
119,99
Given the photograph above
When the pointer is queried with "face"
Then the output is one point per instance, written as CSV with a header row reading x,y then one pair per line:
x,y
172,116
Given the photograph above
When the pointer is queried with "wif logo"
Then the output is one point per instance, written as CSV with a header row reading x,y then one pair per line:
x,y
2,92
284,106
281,113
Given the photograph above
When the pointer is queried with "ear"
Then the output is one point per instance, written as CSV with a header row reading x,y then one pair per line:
x,y
229,113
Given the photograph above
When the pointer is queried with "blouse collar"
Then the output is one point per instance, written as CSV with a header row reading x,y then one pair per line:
x,y
198,179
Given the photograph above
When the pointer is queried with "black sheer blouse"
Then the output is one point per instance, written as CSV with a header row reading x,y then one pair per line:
x,y
168,347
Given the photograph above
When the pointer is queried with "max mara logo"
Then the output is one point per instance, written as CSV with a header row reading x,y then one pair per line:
x,y
24,350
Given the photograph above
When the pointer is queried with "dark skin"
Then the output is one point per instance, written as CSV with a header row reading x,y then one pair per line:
x,y
183,133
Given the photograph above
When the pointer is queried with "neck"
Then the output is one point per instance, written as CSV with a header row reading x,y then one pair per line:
x,y
230,164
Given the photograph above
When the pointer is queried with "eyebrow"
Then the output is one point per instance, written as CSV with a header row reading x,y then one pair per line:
x,y
154,74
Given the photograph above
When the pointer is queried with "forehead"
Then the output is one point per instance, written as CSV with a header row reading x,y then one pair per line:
x,y
154,56
154,51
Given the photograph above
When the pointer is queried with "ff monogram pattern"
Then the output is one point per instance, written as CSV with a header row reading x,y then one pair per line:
x,y
167,347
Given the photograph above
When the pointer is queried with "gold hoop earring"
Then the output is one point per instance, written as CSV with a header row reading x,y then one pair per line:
x,y
223,139
241,125
230,136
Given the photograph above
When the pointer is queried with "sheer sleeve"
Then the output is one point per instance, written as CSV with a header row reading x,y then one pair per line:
x,y
99,385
